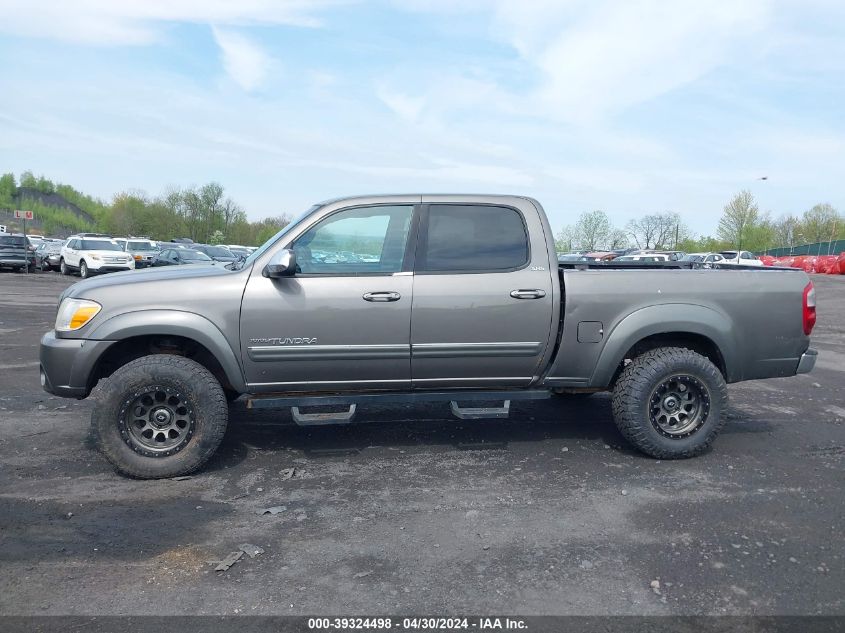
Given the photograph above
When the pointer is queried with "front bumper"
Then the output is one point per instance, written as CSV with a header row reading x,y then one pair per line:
x,y
807,361
67,364
111,268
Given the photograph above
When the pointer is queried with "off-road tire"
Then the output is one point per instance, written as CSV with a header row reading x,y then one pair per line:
x,y
63,267
83,270
177,375
633,402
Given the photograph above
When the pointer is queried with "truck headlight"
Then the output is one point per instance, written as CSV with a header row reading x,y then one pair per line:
x,y
75,313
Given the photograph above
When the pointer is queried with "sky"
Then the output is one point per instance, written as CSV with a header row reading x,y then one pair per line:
x,y
632,107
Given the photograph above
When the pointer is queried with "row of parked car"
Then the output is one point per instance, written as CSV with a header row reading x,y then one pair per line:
x,y
90,253
744,258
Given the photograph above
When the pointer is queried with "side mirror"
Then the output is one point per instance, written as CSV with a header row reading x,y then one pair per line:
x,y
282,264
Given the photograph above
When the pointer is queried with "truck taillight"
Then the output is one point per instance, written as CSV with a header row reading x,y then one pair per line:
x,y
809,312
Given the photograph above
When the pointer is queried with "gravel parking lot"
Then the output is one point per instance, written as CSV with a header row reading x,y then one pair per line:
x,y
549,512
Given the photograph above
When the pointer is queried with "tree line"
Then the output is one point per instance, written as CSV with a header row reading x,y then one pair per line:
x,y
742,226
204,214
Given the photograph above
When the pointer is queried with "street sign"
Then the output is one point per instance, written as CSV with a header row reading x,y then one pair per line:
x,y
24,215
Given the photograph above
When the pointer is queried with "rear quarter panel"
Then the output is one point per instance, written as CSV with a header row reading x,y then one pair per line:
x,y
753,317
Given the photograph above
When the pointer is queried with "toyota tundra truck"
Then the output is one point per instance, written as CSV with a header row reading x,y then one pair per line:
x,y
417,298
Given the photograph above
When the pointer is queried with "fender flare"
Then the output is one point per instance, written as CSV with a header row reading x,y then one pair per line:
x,y
176,323
683,318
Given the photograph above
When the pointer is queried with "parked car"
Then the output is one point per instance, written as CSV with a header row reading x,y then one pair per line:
x,y
15,252
141,249
703,258
599,256
93,253
48,254
647,257
240,251
570,257
672,256
217,253
469,306
181,256
742,258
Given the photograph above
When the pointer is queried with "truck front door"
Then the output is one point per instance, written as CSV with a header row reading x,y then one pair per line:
x,y
483,295
343,320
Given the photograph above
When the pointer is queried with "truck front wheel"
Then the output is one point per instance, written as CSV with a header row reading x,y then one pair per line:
x,y
669,403
159,416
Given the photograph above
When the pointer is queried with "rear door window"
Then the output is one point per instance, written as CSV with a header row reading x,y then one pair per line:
x,y
472,239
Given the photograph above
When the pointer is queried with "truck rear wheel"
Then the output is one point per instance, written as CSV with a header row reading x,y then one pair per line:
x,y
669,403
159,416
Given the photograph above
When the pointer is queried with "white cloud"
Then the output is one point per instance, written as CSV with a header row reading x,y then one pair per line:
x,y
405,106
601,57
133,22
243,60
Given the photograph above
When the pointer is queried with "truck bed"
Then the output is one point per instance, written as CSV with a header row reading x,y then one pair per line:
x,y
751,315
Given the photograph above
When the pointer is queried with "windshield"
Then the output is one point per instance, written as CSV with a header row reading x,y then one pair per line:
x,y
194,256
141,246
263,248
99,245
729,254
692,258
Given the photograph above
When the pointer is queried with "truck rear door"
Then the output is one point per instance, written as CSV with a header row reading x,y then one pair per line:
x,y
483,294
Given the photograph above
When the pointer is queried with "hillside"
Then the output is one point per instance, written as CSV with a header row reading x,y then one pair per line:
x,y
59,209
54,200
203,213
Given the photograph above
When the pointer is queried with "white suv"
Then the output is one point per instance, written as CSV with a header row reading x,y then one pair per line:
x,y
743,258
93,254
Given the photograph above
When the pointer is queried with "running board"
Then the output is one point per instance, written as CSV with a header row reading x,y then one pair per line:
x,y
480,413
283,401
317,419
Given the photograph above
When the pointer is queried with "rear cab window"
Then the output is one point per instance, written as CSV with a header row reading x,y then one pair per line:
x,y
12,240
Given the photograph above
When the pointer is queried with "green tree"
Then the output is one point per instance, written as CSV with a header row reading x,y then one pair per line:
x,y
566,240
44,185
216,237
592,230
658,230
786,231
819,223
739,216
28,180
8,189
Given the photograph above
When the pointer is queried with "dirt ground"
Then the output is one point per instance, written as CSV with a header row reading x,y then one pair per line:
x,y
549,512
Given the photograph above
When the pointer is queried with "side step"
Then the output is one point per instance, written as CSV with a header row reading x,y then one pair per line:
x,y
480,413
317,419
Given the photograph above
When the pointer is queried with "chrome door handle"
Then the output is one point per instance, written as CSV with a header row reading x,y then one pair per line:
x,y
528,294
382,296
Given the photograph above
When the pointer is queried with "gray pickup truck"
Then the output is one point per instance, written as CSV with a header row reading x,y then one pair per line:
x,y
411,298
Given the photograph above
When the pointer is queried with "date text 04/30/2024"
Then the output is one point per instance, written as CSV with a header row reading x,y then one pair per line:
x,y
417,623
